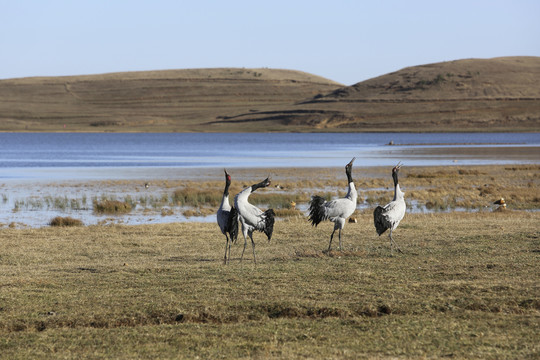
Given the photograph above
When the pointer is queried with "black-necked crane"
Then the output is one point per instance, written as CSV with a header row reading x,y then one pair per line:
x,y
337,210
227,219
388,216
252,218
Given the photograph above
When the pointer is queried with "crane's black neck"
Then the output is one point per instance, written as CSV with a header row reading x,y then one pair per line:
x,y
395,177
348,171
262,184
226,190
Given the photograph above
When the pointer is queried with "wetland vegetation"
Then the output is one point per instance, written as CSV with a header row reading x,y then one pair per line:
x,y
428,189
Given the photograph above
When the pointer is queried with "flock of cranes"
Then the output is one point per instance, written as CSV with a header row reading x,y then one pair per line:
x,y
337,211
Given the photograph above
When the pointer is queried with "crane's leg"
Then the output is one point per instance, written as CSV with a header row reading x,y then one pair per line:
x,y
339,238
331,237
227,247
244,232
393,243
253,247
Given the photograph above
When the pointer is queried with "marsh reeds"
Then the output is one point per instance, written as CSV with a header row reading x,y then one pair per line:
x,y
427,189
112,207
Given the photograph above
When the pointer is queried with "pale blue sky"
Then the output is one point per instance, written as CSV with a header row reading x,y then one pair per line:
x,y
346,41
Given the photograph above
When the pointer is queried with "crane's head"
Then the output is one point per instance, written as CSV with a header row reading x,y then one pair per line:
x,y
395,171
227,176
264,183
348,170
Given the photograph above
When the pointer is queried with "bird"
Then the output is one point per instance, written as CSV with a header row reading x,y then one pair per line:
x,y
146,185
388,216
227,219
252,218
337,210
502,204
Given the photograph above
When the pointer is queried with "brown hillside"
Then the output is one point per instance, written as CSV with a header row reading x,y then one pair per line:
x,y
501,94
175,100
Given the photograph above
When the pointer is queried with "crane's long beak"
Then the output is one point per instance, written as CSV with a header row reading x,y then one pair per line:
x,y
354,158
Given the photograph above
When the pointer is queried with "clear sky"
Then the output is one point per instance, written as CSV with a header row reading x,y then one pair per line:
x,y
344,40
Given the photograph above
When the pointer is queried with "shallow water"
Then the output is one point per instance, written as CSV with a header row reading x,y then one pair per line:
x,y
68,156
43,175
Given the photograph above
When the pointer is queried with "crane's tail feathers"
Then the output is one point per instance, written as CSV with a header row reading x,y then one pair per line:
x,y
232,224
380,224
268,217
316,210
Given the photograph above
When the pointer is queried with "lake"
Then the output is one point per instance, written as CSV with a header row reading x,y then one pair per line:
x,y
80,156
43,175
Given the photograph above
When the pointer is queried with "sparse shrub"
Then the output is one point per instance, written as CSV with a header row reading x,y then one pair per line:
x,y
112,207
105,123
167,212
193,197
65,221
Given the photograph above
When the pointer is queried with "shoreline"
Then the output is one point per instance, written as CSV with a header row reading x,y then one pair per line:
x,y
33,203
437,155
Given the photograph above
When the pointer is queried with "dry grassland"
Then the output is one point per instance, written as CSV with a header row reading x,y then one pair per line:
x,y
465,287
499,94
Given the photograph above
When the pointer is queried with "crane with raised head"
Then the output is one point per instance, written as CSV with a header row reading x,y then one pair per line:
x,y
227,219
388,217
252,218
337,210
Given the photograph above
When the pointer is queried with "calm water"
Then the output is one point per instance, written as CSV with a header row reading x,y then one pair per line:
x,y
36,169
53,156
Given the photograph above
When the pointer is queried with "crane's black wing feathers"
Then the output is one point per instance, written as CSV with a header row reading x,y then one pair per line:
x,y
232,224
269,218
381,225
316,210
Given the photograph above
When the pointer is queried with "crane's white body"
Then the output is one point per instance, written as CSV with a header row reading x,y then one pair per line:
x,y
227,219
389,216
223,213
394,211
337,210
251,217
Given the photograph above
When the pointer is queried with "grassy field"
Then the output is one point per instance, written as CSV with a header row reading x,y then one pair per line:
x,y
466,286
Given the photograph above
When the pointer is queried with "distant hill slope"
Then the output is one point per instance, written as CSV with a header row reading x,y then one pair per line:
x,y
499,78
500,94
173,100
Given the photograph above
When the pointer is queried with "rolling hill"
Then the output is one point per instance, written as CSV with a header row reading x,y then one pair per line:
x,y
500,94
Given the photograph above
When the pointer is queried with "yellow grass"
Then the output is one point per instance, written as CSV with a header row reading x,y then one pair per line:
x,y
465,287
